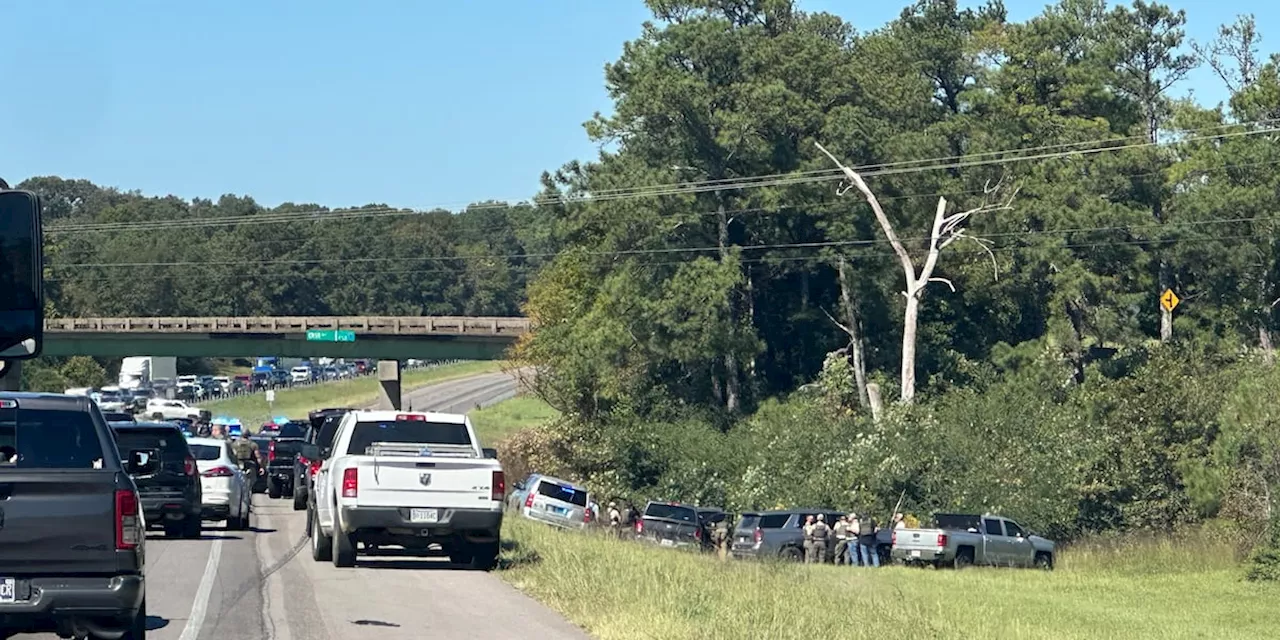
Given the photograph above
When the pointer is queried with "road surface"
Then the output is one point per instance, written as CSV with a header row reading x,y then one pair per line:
x,y
262,584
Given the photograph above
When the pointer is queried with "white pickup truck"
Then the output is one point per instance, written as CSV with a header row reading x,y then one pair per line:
x,y
410,480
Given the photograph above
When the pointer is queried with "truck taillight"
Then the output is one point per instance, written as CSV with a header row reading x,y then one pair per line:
x,y
271,451
189,466
350,483
942,539
126,520
315,466
697,534
499,486
759,535
586,515
219,472
639,527
528,500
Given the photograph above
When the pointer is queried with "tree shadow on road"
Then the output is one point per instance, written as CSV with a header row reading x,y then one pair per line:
x,y
516,555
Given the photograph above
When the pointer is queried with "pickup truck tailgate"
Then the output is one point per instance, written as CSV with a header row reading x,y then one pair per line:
x,y
919,540
403,481
35,507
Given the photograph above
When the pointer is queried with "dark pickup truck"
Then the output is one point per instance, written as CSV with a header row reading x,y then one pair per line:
x,y
281,456
72,537
323,427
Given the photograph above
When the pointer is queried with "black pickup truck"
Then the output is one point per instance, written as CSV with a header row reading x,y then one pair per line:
x,y
281,455
72,536
323,427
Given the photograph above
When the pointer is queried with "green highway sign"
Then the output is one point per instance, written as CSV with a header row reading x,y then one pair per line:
x,y
330,335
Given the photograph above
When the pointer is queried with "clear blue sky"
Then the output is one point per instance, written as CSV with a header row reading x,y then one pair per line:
x,y
415,103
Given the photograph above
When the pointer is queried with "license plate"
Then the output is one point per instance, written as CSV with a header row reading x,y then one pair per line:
x,y
915,553
667,543
8,590
424,515
557,510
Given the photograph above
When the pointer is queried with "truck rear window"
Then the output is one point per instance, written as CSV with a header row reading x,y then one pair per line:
x,y
49,440
406,431
563,493
670,512
169,442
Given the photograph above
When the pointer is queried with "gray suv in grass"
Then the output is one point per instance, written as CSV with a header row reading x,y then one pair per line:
x,y
552,501
780,534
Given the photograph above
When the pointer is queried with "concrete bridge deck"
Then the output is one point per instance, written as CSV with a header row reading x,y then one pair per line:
x,y
367,325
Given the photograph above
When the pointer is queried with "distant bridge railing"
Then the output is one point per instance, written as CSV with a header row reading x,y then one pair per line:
x,y
368,325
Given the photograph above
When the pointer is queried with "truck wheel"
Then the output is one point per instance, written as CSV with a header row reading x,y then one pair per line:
x,y
791,554
172,529
485,556
321,545
157,416
964,559
273,489
300,499
191,527
344,549
1044,561
462,553
137,629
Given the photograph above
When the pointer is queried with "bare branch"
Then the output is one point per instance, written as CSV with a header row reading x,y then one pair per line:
x,y
905,258
986,246
838,323
945,281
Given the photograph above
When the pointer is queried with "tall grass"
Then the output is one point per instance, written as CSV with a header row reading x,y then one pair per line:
x,y
495,422
1145,589
253,409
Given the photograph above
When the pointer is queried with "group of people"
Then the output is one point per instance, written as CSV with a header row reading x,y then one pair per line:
x,y
246,450
854,538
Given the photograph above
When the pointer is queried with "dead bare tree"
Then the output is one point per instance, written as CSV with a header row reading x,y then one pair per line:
x,y
946,230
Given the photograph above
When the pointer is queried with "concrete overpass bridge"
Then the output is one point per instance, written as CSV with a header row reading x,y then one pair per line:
x,y
375,337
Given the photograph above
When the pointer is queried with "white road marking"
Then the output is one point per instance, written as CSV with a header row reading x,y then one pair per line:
x,y
201,605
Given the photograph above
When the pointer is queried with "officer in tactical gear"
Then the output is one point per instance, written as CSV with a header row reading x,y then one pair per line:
x,y
841,530
820,533
808,538
247,451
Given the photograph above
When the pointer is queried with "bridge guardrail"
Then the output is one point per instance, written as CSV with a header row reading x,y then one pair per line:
x,y
375,325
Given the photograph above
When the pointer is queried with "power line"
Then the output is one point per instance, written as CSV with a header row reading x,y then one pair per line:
x,y
894,168
668,250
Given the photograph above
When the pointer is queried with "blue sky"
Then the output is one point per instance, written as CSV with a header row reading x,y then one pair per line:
x,y
414,103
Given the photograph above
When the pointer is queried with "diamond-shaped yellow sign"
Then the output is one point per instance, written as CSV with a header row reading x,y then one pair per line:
x,y
1169,300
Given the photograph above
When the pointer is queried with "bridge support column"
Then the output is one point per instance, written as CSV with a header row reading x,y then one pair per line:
x,y
389,384
11,377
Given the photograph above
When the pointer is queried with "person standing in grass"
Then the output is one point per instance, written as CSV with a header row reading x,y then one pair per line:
x,y
615,519
840,530
867,541
851,546
821,534
721,538
808,538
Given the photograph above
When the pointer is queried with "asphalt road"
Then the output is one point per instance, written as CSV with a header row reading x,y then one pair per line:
x,y
262,584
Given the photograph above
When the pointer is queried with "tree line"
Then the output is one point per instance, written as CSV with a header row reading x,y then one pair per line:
x,y
719,301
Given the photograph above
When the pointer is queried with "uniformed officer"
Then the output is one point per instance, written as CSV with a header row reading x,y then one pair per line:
x,y
615,519
808,538
247,451
841,530
821,533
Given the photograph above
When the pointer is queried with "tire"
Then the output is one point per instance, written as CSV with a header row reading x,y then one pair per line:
x,y
138,626
485,556
791,554
157,417
1044,561
299,499
192,527
963,559
172,530
344,549
273,489
321,545
461,554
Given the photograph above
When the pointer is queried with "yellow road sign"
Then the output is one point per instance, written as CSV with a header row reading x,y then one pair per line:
x,y
1169,300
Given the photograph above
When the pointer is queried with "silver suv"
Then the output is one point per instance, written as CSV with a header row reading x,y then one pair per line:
x,y
552,501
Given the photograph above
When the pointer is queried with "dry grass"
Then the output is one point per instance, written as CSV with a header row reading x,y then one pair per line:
x,y
1166,589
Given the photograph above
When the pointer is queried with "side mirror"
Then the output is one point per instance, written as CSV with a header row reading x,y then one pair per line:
x,y
141,463
491,453
21,275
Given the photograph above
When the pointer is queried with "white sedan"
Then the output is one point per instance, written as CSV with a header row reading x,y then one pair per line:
x,y
227,494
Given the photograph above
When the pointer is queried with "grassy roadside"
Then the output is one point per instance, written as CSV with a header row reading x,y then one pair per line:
x,y
252,410
496,422
618,590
